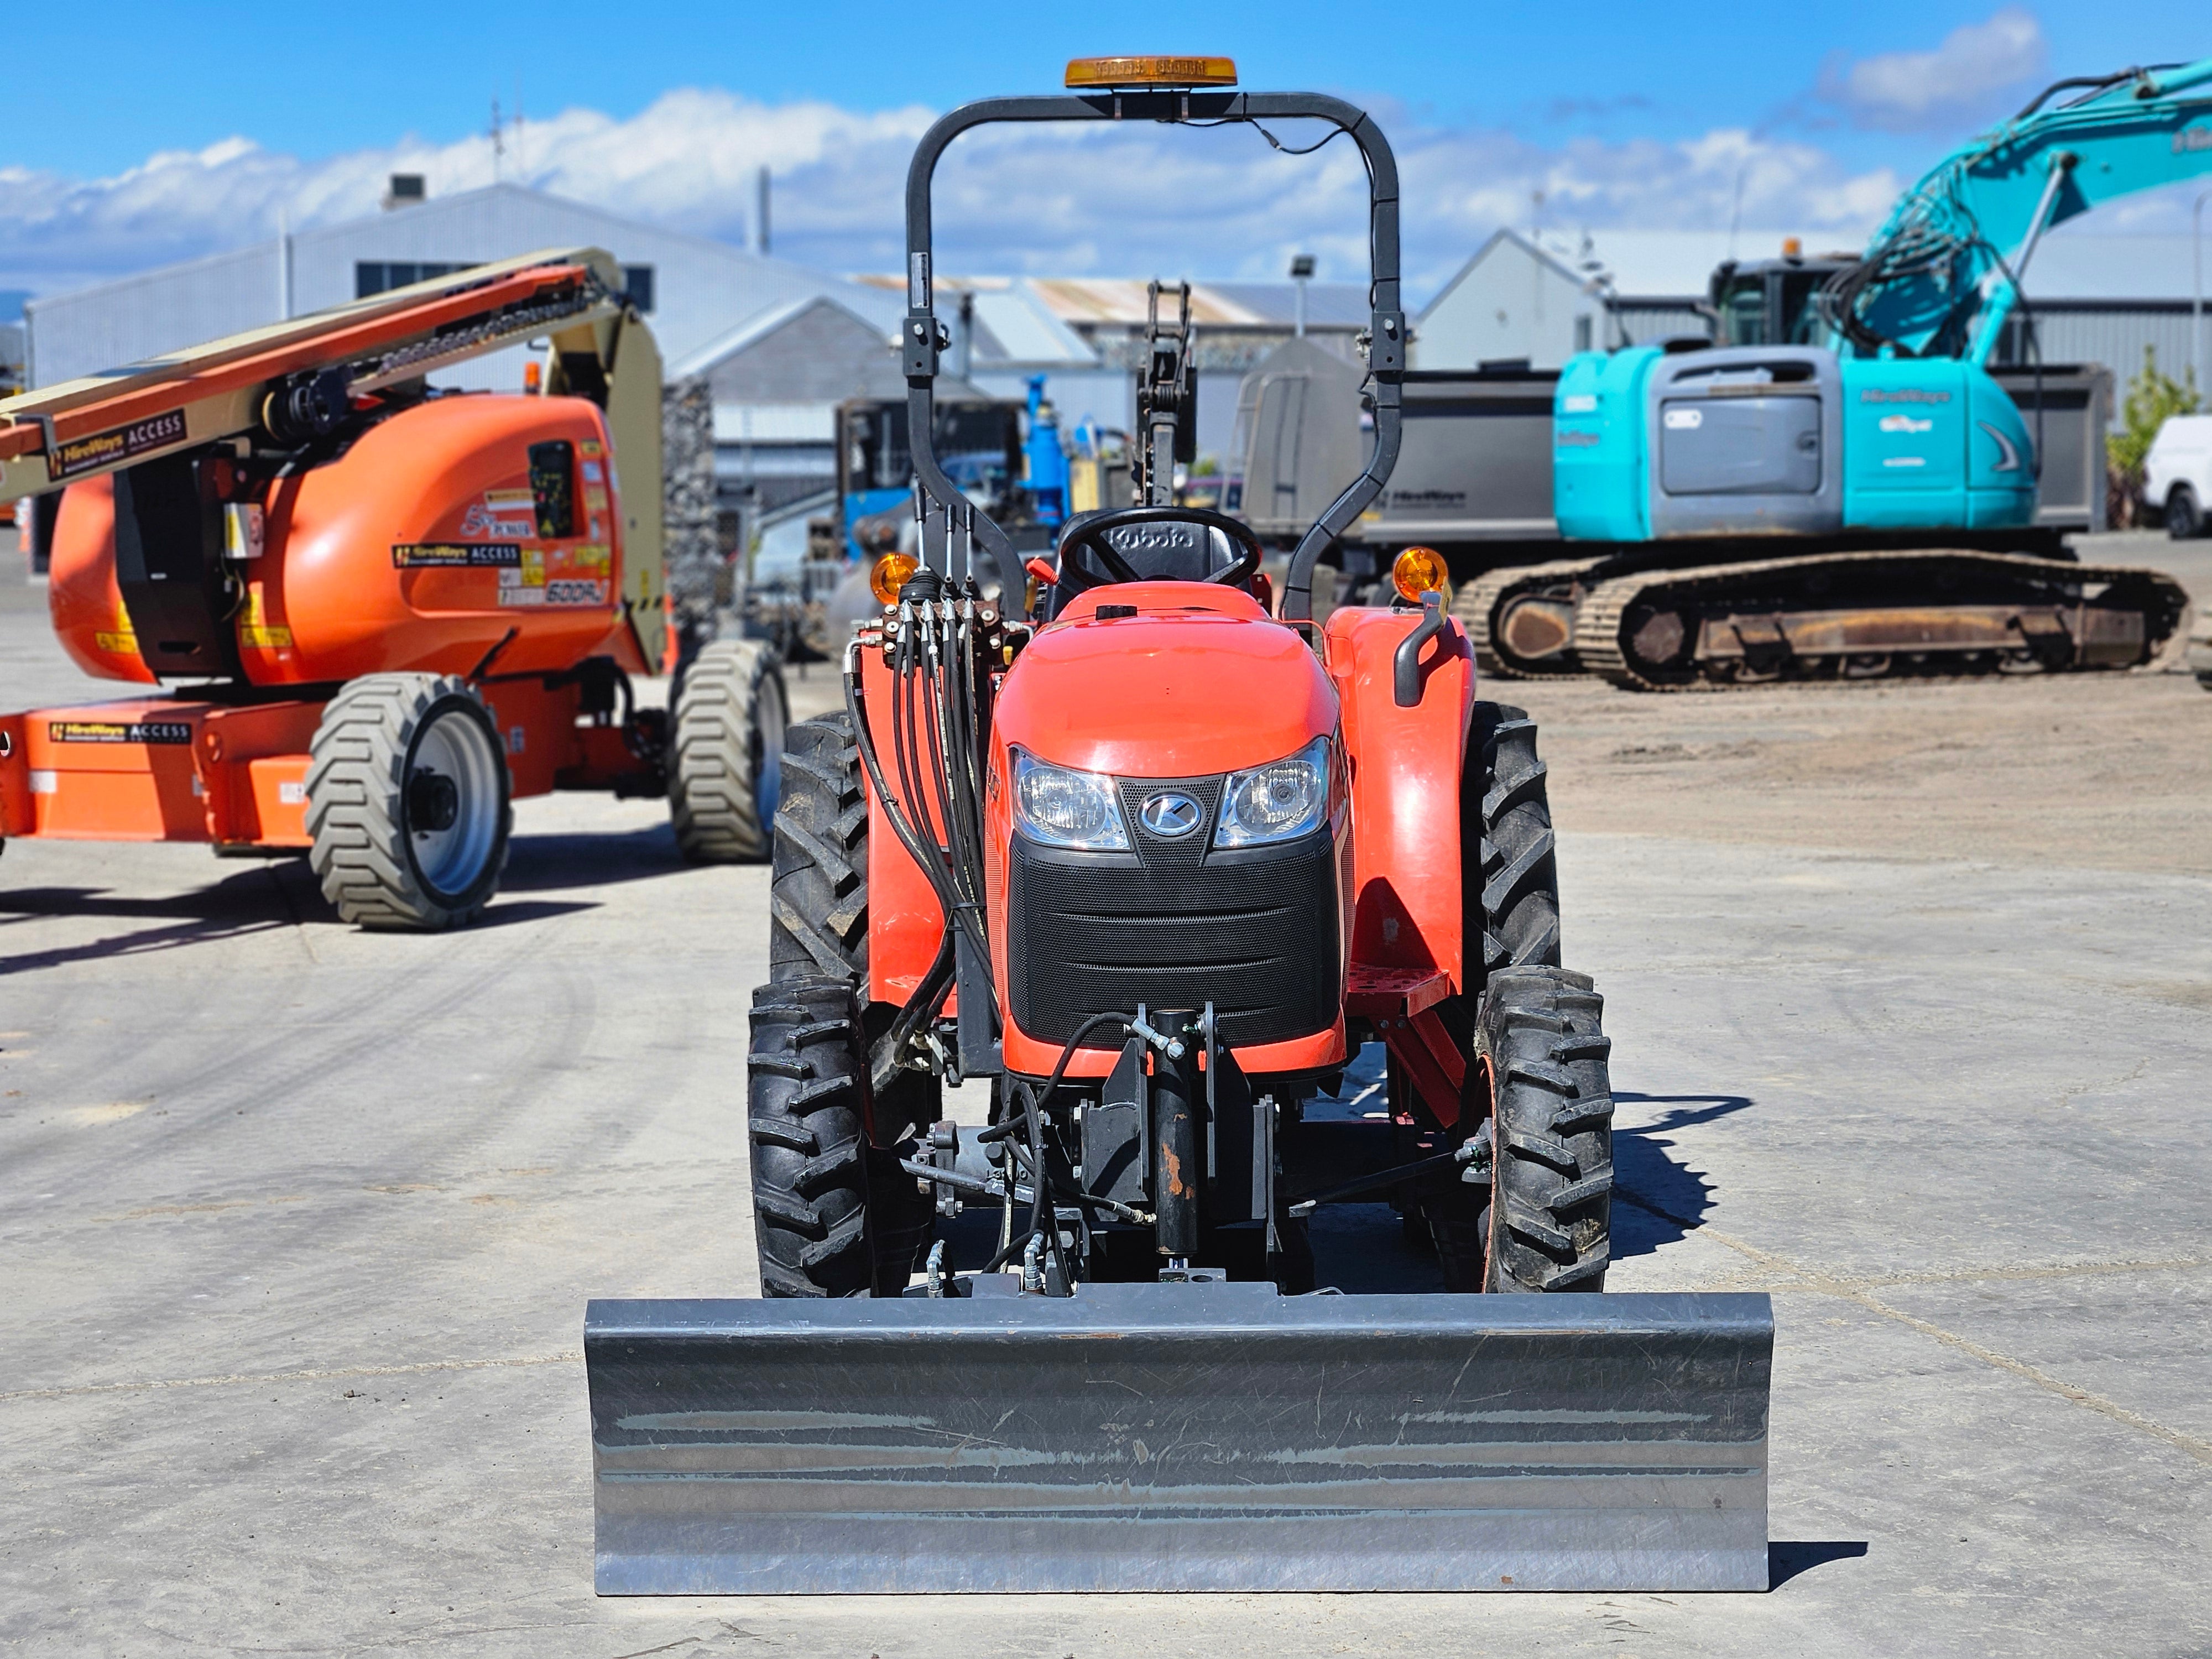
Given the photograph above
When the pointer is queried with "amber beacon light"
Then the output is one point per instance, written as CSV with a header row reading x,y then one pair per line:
x,y
891,574
1107,72
1419,570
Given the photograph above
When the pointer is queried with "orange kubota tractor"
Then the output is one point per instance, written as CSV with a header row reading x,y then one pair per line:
x,y
1155,868
369,614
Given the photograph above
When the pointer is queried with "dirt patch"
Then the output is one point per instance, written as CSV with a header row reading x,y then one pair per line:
x,y
2109,771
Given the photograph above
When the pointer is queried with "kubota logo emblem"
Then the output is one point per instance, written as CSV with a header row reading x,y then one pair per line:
x,y
1169,815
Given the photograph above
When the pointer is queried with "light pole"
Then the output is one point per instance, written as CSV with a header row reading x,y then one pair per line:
x,y
1301,270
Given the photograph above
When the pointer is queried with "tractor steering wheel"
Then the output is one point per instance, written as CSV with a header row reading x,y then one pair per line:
x,y
1090,537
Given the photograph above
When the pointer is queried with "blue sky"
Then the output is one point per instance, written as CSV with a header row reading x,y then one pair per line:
x,y
137,133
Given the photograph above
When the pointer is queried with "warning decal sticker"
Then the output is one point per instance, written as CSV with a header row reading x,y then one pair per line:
x,y
119,731
82,455
414,555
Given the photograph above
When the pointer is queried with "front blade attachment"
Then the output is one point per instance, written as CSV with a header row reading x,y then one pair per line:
x,y
1180,1438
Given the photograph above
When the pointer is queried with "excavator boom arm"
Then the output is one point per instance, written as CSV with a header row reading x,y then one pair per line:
x,y
1941,275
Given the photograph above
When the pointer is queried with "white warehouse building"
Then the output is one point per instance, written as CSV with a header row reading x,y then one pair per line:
x,y
691,288
2092,299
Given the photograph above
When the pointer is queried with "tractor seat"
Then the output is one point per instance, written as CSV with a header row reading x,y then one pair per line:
x,y
1167,551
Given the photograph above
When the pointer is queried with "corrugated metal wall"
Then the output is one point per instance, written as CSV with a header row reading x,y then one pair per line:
x,y
1644,322
99,328
2117,339
703,288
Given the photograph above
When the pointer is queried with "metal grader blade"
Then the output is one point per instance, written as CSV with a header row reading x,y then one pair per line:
x,y
1180,1437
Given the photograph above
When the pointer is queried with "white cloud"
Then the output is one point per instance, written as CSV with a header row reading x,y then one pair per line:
x,y
1125,201
1959,80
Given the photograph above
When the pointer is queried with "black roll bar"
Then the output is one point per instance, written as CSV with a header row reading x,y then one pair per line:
x,y
922,338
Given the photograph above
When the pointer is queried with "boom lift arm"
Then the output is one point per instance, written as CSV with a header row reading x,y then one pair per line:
x,y
1943,274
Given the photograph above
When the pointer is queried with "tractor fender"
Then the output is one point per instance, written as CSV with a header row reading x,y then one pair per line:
x,y
1406,768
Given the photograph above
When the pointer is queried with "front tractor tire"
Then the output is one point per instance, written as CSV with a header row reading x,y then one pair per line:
x,y
409,803
1509,897
725,760
806,1106
1542,1077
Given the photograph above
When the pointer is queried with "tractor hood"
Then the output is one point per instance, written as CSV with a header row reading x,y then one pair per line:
x,y
1198,681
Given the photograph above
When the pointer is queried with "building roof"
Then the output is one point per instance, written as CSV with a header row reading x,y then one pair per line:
x,y
704,288
1676,265
760,323
1079,302
1013,326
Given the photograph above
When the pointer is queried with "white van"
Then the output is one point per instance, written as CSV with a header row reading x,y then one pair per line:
x,y
2177,475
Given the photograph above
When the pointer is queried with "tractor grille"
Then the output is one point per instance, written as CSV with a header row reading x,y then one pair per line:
x,y
1257,931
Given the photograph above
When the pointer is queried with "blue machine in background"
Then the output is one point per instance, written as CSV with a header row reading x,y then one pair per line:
x,y
1864,423
1047,460
1784,440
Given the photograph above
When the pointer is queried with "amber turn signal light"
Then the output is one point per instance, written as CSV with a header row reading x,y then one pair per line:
x,y
1109,72
1419,570
891,574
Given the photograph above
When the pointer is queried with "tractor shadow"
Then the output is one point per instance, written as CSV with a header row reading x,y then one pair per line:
x,y
1657,1197
1785,1561
1366,1249
570,860
260,896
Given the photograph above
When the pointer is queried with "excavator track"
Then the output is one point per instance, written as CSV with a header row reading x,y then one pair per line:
x,y
1940,613
1543,600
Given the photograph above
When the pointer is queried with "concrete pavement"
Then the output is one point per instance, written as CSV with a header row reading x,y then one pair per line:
x,y
297,1224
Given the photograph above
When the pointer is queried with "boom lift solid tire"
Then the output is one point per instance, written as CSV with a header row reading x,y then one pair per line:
x,y
1541,1058
409,806
725,764
806,1103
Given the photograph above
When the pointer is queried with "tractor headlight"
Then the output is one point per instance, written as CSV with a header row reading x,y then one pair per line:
x,y
1062,807
1276,802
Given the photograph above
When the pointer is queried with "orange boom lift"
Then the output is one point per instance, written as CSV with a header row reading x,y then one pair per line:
x,y
369,614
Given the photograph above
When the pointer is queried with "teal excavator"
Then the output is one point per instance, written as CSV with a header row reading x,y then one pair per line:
x,y
1838,487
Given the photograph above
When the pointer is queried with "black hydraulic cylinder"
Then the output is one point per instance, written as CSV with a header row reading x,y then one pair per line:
x,y
1178,1177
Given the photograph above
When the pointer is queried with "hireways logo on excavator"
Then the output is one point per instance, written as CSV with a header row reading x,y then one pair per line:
x,y
1151,868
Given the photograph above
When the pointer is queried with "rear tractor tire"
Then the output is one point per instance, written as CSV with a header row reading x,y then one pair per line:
x,y
409,803
818,894
726,762
1542,1069
819,929
1515,898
